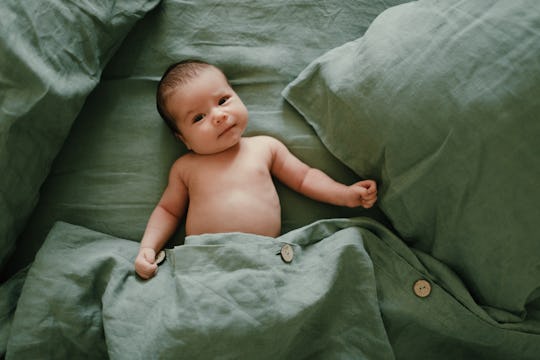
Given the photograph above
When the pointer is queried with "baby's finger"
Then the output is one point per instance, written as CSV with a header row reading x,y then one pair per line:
x,y
367,203
369,197
372,198
148,271
149,255
371,187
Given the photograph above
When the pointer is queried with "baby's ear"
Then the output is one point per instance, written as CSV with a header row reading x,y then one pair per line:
x,y
181,138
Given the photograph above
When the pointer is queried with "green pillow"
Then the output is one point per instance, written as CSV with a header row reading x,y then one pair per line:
x,y
439,101
51,56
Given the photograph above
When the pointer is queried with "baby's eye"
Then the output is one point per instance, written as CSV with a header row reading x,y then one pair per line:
x,y
223,100
198,118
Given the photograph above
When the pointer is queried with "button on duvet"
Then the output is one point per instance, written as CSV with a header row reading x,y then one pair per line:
x,y
287,253
422,288
160,257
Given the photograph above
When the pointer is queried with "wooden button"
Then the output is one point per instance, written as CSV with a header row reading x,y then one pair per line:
x,y
287,253
160,257
422,288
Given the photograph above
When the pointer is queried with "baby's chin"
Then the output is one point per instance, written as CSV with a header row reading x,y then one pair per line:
x,y
217,149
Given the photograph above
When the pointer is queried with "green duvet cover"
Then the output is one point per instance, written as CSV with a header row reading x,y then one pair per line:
x,y
348,293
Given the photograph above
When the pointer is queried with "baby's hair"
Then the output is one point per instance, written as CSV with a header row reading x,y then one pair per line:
x,y
176,75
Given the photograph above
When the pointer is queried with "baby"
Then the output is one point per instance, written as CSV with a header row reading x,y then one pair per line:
x,y
225,181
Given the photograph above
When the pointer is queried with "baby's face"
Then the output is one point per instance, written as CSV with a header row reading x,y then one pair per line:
x,y
210,116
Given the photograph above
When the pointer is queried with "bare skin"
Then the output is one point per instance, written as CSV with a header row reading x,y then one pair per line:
x,y
225,183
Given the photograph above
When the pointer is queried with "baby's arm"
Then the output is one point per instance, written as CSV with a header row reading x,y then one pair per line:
x,y
316,184
162,223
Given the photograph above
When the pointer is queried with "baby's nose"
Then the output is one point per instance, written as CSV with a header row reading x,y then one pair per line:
x,y
219,116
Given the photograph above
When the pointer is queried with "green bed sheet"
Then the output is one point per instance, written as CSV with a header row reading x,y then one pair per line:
x,y
113,166
347,294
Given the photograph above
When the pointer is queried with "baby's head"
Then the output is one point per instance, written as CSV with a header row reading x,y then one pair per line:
x,y
174,77
198,104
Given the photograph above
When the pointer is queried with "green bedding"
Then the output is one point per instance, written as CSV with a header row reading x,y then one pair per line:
x,y
347,294
224,296
52,54
113,166
440,102
441,108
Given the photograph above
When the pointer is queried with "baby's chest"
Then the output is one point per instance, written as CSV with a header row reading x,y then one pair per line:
x,y
240,175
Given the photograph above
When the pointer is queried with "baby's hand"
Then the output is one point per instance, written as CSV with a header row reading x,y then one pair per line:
x,y
364,194
145,263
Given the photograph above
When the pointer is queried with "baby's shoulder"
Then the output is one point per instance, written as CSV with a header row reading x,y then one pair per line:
x,y
264,141
182,163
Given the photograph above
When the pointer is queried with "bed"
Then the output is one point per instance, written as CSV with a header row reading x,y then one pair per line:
x,y
438,101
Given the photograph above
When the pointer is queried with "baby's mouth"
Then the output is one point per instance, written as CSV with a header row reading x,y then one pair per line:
x,y
226,130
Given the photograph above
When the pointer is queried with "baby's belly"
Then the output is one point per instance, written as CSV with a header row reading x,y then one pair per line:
x,y
240,212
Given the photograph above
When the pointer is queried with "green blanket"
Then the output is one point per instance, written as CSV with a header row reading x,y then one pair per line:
x,y
219,296
347,294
